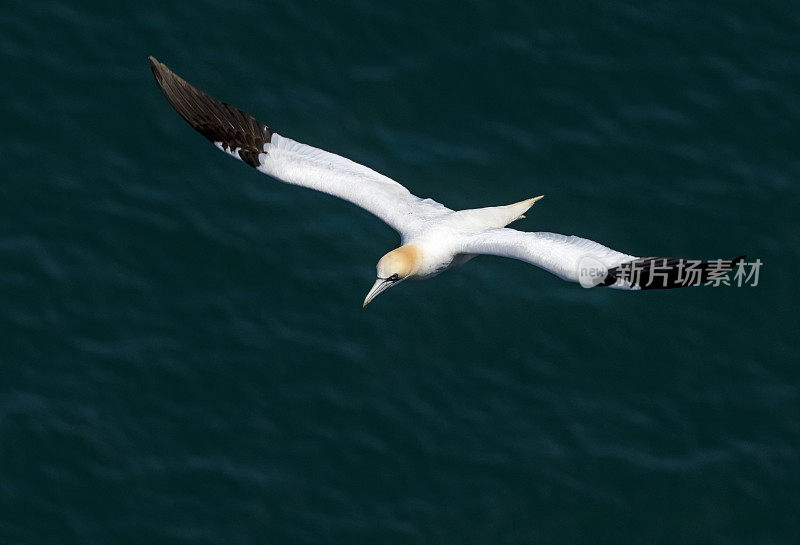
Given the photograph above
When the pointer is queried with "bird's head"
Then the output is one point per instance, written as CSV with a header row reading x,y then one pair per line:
x,y
396,266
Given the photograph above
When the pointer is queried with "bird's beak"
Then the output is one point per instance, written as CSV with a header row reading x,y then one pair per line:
x,y
379,286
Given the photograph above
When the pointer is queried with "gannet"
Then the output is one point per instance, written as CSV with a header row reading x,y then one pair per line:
x,y
434,238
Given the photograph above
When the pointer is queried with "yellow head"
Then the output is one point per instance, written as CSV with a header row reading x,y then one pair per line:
x,y
393,268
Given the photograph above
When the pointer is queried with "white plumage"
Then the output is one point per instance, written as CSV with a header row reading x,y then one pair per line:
x,y
299,164
434,237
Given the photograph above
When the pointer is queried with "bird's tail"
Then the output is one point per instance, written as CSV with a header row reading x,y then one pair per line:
x,y
517,210
497,216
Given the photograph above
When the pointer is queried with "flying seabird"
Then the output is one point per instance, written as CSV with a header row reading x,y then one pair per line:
x,y
434,238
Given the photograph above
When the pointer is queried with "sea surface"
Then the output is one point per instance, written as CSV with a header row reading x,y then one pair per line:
x,y
183,353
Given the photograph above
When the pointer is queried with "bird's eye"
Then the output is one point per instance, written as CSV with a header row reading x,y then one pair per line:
x,y
393,278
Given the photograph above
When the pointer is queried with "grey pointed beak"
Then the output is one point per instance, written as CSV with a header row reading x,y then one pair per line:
x,y
378,287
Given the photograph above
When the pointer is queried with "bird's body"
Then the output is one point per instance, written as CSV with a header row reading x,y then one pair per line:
x,y
434,238
440,242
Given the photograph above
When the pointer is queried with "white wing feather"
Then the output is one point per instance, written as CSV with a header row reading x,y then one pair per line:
x,y
303,165
239,134
558,254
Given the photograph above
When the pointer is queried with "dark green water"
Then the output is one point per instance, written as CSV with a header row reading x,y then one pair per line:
x,y
184,357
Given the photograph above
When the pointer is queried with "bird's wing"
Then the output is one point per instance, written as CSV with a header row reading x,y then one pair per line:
x,y
580,260
241,135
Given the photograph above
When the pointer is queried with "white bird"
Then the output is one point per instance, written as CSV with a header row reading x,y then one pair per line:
x,y
434,238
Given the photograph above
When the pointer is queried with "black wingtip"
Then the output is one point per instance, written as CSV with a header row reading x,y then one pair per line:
x,y
653,273
163,76
155,66
218,121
